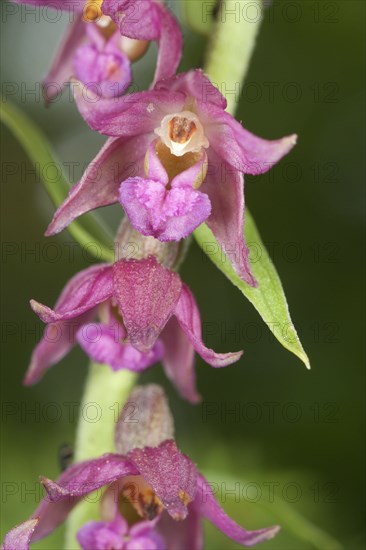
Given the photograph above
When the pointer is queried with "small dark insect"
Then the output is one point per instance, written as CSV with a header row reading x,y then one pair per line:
x,y
65,456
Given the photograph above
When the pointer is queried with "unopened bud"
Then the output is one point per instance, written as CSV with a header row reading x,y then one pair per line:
x,y
154,424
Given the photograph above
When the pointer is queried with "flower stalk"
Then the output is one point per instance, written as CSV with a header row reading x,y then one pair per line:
x,y
231,46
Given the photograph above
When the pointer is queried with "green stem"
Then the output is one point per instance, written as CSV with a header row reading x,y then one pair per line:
x,y
105,393
231,46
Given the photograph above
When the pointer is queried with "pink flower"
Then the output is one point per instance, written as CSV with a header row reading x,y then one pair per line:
x,y
105,37
147,314
167,208
180,158
147,472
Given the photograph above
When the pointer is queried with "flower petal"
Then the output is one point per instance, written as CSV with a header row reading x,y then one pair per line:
x,y
192,176
77,481
248,153
147,294
166,215
58,339
132,115
84,291
155,421
145,536
111,533
189,319
211,510
150,20
62,68
116,161
178,360
148,541
103,344
183,534
85,477
136,19
259,155
194,84
154,168
19,538
225,187
106,70
171,474
170,44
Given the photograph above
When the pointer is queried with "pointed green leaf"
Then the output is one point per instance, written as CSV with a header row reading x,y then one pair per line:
x,y
268,298
86,230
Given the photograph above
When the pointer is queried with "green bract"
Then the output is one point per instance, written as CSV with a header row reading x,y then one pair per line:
x,y
268,298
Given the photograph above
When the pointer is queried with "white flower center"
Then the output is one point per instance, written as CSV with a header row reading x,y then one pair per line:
x,y
182,133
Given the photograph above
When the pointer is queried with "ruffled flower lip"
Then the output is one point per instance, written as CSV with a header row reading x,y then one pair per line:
x,y
166,203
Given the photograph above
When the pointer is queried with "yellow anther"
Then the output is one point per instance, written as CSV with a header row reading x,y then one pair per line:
x,y
92,10
184,497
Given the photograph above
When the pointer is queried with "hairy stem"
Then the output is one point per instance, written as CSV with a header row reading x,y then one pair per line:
x,y
104,395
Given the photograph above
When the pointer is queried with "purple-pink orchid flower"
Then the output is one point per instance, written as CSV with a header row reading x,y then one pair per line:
x,y
105,37
175,158
147,473
147,314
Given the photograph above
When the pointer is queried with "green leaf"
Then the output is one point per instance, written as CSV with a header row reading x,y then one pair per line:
x,y
199,15
268,298
86,230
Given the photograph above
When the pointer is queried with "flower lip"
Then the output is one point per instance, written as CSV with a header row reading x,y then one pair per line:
x,y
175,167
182,133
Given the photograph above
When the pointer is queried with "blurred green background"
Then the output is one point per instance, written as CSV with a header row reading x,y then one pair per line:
x,y
295,433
